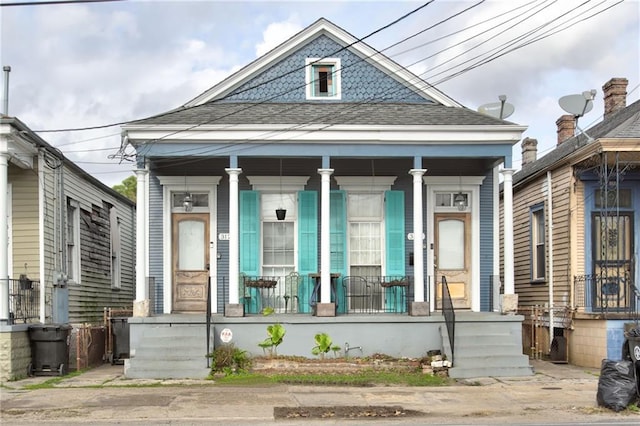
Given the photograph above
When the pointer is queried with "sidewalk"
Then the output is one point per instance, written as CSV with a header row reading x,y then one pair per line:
x,y
556,392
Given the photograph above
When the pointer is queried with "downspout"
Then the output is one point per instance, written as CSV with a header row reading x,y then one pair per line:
x,y
41,226
550,251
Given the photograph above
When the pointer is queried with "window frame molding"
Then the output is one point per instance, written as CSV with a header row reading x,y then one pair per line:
x,y
533,243
76,274
310,63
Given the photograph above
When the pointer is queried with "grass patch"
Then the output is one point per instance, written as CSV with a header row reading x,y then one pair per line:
x,y
48,384
361,378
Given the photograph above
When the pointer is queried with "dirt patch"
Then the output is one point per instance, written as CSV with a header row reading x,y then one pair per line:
x,y
344,412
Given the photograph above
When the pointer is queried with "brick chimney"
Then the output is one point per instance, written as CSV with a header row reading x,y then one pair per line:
x,y
615,95
529,150
566,127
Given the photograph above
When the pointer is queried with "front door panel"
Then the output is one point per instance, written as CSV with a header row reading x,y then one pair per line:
x,y
190,262
453,257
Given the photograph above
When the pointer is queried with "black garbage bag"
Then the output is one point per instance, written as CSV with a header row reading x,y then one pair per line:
x,y
617,384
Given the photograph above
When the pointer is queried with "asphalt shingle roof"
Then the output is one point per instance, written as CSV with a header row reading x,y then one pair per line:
x,y
322,113
624,123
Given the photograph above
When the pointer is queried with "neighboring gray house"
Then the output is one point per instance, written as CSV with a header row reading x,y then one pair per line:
x,y
69,248
390,190
577,245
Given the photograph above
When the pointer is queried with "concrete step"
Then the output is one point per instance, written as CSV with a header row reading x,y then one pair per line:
x,y
494,360
474,372
134,369
480,349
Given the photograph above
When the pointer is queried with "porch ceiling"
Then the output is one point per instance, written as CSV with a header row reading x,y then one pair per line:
x,y
342,166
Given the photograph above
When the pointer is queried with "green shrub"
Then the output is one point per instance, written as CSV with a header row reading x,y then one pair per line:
x,y
276,334
229,360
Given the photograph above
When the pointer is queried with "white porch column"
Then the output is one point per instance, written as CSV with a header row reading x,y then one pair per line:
x,y
4,237
510,300
325,235
418,305
141,303
234,239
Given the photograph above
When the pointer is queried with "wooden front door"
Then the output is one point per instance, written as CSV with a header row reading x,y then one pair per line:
x,y
453,257
190,261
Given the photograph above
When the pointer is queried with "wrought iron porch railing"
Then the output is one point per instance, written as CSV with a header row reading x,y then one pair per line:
x,y
24,301
449,315
600,293
298,294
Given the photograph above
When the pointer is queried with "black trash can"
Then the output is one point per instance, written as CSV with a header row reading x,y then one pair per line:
x,y
49,349
120,340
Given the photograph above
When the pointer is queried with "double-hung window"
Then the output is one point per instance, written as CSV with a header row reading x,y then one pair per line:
x,y
114,222
73,241
323,78
538,250
278,236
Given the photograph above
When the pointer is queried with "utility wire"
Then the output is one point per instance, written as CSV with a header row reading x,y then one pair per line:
x,y
53,2
406,15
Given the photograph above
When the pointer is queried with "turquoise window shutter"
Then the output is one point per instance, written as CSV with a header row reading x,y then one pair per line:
x,y
395,248
338,243
250,246
307,245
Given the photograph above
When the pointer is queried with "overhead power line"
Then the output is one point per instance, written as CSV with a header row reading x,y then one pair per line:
x,y
53,2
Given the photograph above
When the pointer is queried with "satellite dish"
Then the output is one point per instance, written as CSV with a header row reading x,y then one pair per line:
x,y
578,105
499,110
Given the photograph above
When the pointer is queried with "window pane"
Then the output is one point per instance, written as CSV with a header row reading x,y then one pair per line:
x,y
278,243
191,245
623,198
451,244
443,200
539,263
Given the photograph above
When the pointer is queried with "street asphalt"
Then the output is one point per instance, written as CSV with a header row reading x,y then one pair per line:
x,y
555,394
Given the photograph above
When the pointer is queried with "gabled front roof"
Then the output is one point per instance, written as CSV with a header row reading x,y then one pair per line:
x,y
624,124
27,144
344,39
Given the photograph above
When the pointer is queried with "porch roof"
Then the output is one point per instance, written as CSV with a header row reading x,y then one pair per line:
x,y
624,124
281,113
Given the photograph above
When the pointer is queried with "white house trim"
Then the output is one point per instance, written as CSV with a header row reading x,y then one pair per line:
x,y
335,134
195,184
336,78
278,183
469,184
365,183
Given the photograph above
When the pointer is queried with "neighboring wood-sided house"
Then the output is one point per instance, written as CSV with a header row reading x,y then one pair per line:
x,y
70,241
576,245
326,187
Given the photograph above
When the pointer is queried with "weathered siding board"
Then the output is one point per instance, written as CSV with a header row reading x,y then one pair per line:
x,y
25,224
561,184
51,223
579,245
524,198
88,299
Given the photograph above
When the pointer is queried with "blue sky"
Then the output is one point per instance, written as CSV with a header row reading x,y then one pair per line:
x,y
94,64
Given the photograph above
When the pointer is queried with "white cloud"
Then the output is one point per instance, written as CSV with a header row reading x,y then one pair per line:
x,y
94,64
276,33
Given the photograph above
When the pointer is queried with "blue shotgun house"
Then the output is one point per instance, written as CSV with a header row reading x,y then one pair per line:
x,y
328,188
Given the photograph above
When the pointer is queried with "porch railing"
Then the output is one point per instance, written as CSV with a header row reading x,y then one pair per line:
x,y
298,294
606,294
24,300
449,315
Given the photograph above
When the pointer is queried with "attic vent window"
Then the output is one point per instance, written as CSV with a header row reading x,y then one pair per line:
x,y
323,78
